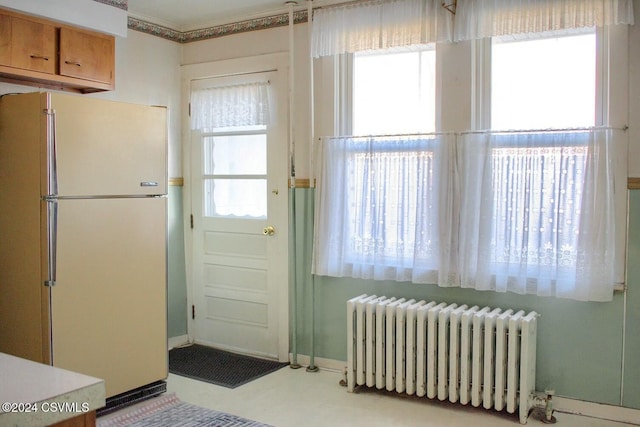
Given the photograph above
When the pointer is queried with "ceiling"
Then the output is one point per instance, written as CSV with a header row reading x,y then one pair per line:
x,y
187,15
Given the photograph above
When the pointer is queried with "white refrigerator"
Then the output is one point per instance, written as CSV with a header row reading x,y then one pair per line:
x,y
83,237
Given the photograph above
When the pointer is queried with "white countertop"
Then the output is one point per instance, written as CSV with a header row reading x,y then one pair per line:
x,y
39,395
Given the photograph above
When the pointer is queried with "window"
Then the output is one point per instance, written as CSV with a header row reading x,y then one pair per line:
x,y
394,92
392,180
495,188
538,184
543,83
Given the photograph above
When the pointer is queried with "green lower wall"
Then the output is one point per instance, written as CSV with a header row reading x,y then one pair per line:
x,y
177,288
580,345
631,389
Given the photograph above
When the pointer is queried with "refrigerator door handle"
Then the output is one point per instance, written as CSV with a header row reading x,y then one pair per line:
x,y
52,154
52,237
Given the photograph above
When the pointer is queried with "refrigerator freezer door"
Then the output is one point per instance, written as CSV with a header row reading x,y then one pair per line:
x,y
106,148
108,307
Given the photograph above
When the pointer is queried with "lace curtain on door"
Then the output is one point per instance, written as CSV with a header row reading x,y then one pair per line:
x,y
230,106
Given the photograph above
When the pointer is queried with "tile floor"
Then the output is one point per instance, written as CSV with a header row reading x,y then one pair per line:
x,y
289,398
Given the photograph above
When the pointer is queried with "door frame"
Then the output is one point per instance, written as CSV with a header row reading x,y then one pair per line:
x,y
254,64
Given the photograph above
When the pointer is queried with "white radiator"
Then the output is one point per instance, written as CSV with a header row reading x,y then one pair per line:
x,y
474,355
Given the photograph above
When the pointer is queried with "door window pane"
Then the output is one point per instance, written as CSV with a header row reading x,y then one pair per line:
x,y
235,155
235,198
235,173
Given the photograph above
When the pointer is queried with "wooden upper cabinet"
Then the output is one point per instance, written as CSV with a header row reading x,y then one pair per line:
x,y
27,44
5,40
33,46
86,55
44,53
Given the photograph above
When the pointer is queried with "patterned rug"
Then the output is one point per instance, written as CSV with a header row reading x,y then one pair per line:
x,y
169,411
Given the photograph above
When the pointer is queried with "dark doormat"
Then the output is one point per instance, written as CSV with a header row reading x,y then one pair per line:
x,y
219,367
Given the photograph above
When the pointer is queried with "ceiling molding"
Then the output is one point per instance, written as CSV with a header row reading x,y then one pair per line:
x,y
216,31
154,29
262,23
120,4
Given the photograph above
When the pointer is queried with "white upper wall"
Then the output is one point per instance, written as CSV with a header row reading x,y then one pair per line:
x,y
148,72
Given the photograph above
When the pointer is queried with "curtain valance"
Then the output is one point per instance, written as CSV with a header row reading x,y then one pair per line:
x,y
230,105
378,25
381,24
476,19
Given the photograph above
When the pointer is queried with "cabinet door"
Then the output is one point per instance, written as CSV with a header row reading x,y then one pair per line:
x,y
5,40
33,45
85,55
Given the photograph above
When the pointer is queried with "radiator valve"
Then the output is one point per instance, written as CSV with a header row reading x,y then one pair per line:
x,y
548,407
544,406
343,381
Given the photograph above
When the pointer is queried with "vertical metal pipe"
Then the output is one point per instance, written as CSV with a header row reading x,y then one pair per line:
x,y
312,129
292,201
312,356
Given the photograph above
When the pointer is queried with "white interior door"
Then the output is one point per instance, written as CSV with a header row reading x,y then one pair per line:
x,y
239,230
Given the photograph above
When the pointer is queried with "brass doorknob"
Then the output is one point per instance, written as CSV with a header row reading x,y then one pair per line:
x,y
268,231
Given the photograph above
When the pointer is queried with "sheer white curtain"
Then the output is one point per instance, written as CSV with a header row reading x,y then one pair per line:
x,y
229,106
378,24
385,209
477,19
525,212
537,213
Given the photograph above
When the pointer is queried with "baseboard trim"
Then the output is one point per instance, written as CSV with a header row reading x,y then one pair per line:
x,y
321,363
560,404
178,341
597,410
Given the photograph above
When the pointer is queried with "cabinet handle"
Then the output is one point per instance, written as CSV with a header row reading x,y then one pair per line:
x,y
73,63
46,58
